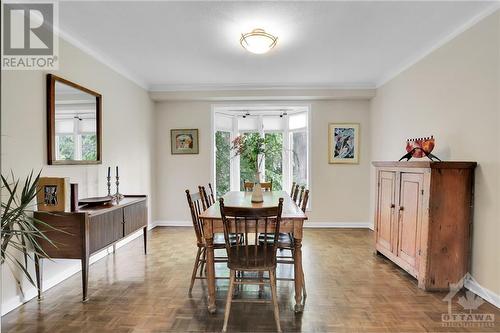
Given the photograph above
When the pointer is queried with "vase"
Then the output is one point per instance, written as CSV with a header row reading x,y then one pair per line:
x,y
257,190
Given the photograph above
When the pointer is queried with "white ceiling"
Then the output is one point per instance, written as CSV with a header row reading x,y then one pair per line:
x,y
195,45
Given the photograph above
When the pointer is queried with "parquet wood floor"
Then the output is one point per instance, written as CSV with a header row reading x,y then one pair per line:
x,y
349,290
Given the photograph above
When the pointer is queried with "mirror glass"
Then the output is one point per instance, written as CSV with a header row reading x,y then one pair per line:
x,y
75,124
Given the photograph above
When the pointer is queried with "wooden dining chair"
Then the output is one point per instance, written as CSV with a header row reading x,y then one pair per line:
x,y
295,192
292,190
267,186
247,186
208,198
196,207
301,195
251,256
286,242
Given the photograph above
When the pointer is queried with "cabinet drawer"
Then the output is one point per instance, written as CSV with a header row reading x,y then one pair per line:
x,y
135,217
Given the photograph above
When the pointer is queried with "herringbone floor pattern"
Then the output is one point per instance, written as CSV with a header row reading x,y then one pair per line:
x,y
349,290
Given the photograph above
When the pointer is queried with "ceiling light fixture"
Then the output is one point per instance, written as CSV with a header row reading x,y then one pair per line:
x,y
258,41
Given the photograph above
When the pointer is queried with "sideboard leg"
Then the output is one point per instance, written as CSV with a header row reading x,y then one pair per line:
x,y
38,269
85,277
145,231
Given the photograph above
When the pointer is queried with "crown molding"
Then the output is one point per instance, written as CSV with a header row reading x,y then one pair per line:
x,y
253,87
422,54
102,58
264,95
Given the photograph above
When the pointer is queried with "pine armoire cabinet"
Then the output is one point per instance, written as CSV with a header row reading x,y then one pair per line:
x,y
423,218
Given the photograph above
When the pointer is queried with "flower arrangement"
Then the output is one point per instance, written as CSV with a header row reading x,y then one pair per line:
x,y
250,147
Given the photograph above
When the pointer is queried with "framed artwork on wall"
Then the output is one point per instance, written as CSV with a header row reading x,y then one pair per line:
x,y
184,141
343,143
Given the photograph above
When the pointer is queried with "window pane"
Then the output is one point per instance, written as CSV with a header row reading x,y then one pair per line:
x,y
272,123
248,163
222,162
299,157
298,120
89,147
64,125
248,123
274,159
65,147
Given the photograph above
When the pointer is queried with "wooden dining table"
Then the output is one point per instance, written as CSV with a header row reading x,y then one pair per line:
x,y
292,221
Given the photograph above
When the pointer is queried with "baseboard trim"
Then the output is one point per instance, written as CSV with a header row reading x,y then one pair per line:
x,y
31,292
482,292
307,224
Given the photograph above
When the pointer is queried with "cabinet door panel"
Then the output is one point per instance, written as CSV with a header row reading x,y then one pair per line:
x,y
135,216
385,209
410,216
103,229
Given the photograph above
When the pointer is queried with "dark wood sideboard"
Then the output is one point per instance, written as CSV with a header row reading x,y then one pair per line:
x,y
89,230
423,219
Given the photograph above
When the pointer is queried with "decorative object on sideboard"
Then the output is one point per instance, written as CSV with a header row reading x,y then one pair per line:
x,y
343,143
96,201
74,197
109,181
184,141
118,196
420,147
53,194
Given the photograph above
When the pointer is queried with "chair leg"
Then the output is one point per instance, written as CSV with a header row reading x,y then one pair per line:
x,y
272,280
261,286
195,269
304,293
203,260
228,300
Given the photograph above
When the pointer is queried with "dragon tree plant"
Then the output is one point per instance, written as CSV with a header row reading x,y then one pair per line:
x,y
21,234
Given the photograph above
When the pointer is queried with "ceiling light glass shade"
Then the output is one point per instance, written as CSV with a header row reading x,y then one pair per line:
x,y
258,41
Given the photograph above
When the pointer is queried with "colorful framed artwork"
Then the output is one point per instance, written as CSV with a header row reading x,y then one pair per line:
x,y
184,141
343,143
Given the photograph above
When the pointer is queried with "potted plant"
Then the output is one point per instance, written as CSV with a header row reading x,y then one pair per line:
x,y
20,230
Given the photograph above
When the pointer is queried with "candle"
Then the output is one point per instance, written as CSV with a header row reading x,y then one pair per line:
x,y
117,171
109,172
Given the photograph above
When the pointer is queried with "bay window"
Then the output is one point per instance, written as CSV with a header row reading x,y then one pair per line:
x,y
285,133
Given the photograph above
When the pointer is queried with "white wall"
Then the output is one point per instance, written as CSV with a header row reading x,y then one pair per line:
x,y
127,138
453,94
339,192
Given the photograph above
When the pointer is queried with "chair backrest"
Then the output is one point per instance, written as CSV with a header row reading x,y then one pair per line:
x,y
247,186
292,190
305,199
301,195
295,193
212,193
267,186
196,206
207,198
245,220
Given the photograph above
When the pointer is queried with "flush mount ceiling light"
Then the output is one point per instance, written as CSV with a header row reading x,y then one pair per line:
x,y
258,41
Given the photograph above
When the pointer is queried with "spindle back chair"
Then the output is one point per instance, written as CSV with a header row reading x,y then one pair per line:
x,y
251,256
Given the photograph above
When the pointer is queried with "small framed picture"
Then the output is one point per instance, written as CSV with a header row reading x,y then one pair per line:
x,y
184,141
53,194
343,143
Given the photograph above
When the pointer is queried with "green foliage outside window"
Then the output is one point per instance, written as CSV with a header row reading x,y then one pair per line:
x,y
222,162
66,147
89,147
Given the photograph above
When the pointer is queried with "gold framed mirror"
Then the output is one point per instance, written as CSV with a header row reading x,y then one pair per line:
x,y
74,123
